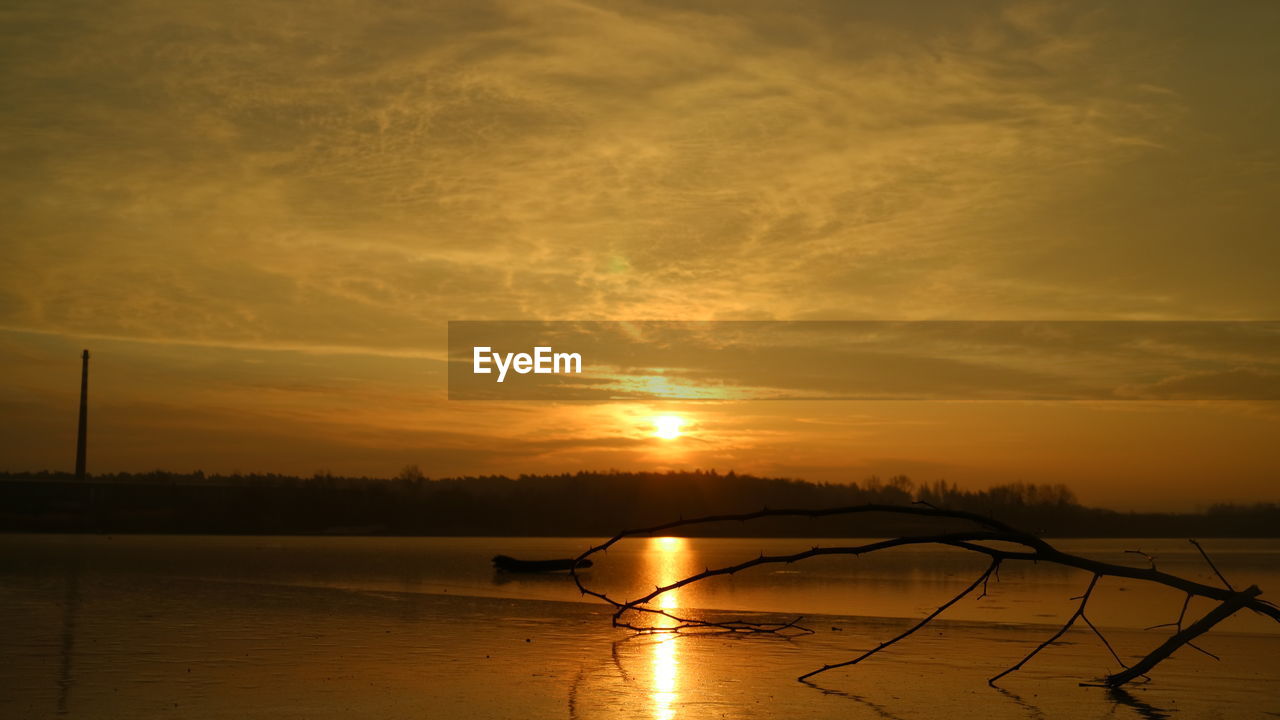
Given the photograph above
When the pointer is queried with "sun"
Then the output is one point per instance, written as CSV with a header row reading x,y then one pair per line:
x,y
667,427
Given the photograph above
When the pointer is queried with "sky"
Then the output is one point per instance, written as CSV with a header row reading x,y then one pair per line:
x,y
260,217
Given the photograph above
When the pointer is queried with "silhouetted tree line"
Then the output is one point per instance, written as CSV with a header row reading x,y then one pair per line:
x,y
577,504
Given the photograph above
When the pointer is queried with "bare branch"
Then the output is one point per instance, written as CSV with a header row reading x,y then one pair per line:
x,y
1186,602
1084,600
979,540
1213,617
1194,646
1103,638
1149,559
981,579
1209,560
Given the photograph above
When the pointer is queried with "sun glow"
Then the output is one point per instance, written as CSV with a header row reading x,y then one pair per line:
x,y
667,427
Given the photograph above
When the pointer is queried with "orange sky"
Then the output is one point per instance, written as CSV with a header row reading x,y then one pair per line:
x,y
260,217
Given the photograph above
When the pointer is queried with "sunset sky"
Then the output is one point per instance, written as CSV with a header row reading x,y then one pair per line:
x,y
260,217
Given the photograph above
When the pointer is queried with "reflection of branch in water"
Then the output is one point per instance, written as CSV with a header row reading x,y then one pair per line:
x,y
70,608
1033,712
1150,712
879,710
617,661
531,579
573,693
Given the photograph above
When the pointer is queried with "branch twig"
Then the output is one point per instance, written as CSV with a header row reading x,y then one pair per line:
x,y
1209,560
981,579
1084,600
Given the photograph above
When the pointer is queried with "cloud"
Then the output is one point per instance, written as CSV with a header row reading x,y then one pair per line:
x,y
1234,384
720,361
250,173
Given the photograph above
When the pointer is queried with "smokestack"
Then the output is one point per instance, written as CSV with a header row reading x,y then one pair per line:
x,y
84,415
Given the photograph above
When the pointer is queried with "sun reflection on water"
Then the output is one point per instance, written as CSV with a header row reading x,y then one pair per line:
x,y
669,557
666,676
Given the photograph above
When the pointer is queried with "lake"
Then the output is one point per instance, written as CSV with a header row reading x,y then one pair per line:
x,y
214,627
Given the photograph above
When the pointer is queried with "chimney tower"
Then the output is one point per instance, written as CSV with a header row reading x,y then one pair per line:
x,y
84,415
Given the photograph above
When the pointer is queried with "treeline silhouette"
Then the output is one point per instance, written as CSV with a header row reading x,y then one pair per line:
x,y
579,504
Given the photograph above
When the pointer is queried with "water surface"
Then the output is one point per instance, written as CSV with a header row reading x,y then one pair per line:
x,y
205,627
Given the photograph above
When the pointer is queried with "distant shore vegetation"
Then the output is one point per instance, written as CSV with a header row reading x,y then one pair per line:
x,y
587,504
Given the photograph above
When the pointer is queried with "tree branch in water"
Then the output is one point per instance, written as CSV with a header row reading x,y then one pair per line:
x,y
986,530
